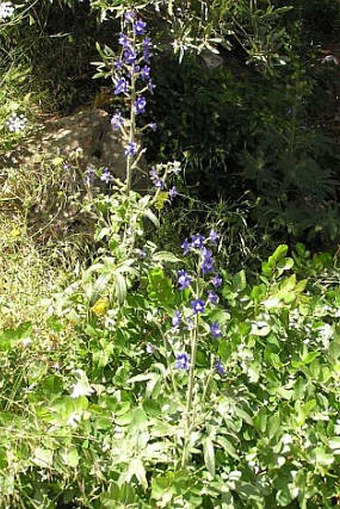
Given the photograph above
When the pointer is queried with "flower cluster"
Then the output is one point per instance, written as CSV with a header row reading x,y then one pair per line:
x,y
182,361
198,245
6,10
16,123
132,72
159,174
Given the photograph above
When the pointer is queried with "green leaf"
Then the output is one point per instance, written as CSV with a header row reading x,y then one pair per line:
x,y
152,217
209,456
244,415
227,446
70,457
321,457
334,444
260,421
160,288
136,468
120,287
279,253
43,457
307,359
240,281
284,497
165,256
273,425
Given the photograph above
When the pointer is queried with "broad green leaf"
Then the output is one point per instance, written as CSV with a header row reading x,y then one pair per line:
x,y
273,425
240,281
279,253
321,457
260,421
227,446
70,457
43,457
152,217
165,256
136,468
334,444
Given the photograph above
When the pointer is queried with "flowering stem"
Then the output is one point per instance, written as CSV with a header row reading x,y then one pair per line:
x,y
129,163
205,390
191,382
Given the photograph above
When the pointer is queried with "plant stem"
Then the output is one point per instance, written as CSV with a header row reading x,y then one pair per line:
x,y
130,158
191,382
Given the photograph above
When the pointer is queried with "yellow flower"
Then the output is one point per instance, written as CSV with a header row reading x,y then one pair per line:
x,y
15,232
57,161
161,199
100,307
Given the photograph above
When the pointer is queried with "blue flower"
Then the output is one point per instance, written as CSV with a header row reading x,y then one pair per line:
x,y
140,105
147,43
190,324
216,281
135,69
119,64
154,176
151,86
205,252
198,306
219,367
176,319
130,56
141,253
214,236
139,27
131,149
129,16
146,55
153,126
124,41
197,240
215,330
158,183
184,279
106,176
117,121
145,72
186,247
182,361
121,87
172,192
207,261
212,297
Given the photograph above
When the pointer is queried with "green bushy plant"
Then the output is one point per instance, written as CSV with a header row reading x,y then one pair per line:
x,y
169,380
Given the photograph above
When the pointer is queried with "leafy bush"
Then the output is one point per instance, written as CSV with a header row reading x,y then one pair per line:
x,y
105,416
171,378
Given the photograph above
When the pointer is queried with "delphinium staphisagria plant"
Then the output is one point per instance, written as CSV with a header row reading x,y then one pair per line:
x,y
132,78
130,71
192,329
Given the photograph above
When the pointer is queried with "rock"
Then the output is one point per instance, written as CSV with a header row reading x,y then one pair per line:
x,y
87,132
